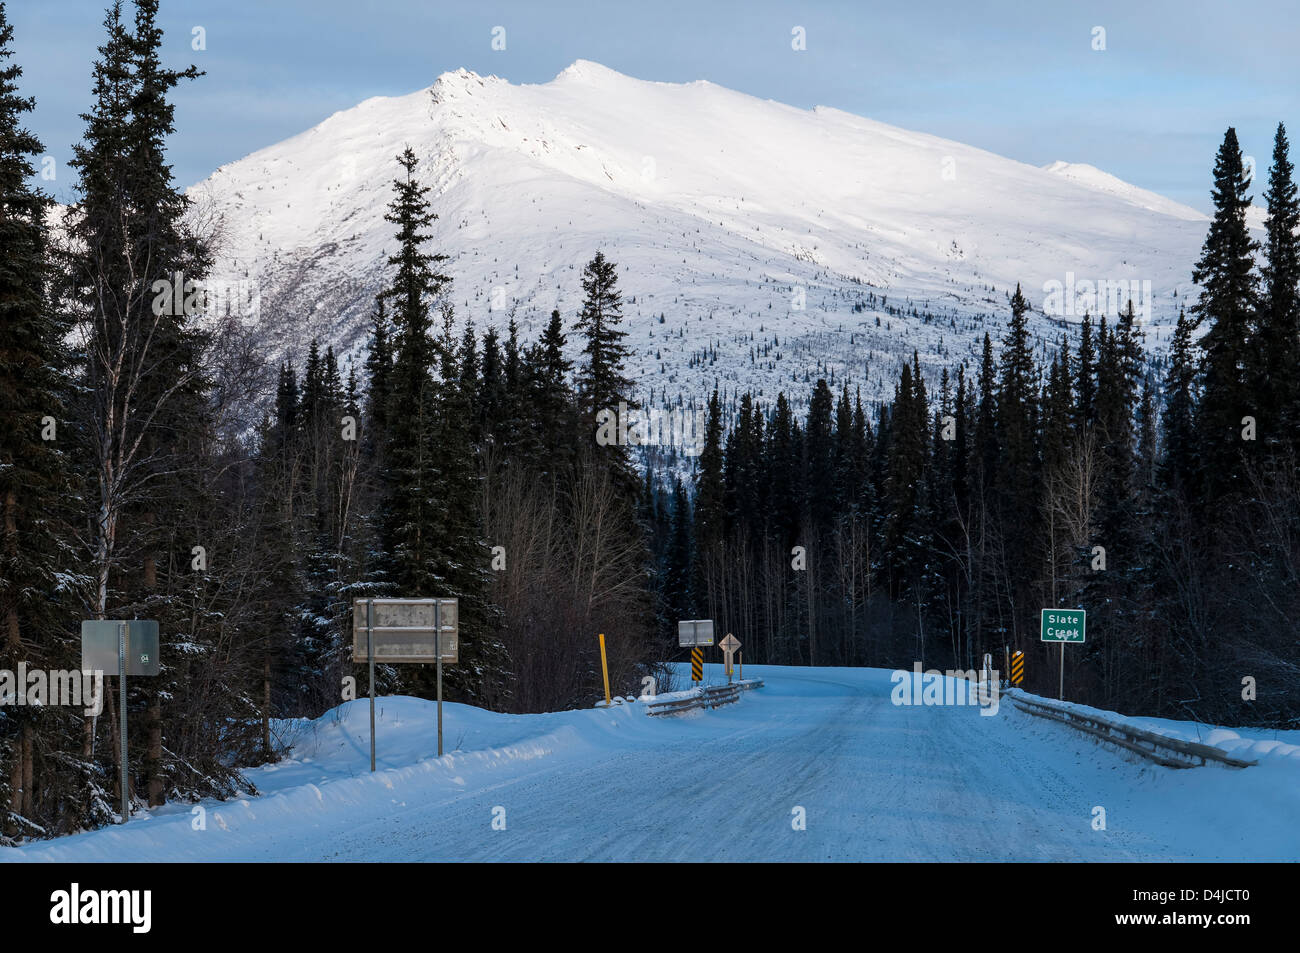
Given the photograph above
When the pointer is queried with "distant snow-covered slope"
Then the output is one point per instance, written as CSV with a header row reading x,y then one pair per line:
x,y
787,242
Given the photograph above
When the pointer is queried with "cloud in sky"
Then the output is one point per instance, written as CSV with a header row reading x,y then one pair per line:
x,y
1018,78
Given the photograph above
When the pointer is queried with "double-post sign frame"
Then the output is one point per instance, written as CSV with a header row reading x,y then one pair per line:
x,y
393,631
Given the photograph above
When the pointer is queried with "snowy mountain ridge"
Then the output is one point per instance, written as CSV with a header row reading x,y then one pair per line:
x,y
758,243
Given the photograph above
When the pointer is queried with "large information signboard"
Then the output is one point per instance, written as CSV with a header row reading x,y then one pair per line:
x,y
403,630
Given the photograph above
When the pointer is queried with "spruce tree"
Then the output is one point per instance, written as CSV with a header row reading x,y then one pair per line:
x,y
411,500
34,478
1017,474
1226,307
710,485
1276,351
1179,417
1087,375
552,426
379,369
602,380
677,587
819,446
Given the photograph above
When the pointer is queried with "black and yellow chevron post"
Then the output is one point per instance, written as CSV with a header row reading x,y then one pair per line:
x,y
697,665
1017,667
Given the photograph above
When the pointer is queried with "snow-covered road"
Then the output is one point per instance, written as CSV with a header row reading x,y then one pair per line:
x,y
871,780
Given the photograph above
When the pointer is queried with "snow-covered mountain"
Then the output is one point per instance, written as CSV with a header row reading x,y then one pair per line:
x,y
736,223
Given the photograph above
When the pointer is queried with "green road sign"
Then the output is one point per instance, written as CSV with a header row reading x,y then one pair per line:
x,y
1064,625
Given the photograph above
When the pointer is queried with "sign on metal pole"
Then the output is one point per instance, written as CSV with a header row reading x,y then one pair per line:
x,y
693,632
1063,625
100,646
128,647
697,665
1017,667
729,646
417,631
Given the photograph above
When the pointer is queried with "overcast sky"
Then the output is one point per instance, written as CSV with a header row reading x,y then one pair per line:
x,y
1017,78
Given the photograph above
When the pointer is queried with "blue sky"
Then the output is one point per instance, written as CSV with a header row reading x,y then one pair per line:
x,y
1018,78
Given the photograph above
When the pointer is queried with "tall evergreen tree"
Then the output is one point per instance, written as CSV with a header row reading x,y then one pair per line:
x,y
412,503
1179,417
379,370
1087,375
552,427
34,479
602,380
1227,306
678,582
1275,353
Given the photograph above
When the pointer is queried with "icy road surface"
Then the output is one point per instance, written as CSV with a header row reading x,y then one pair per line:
x,y
872,780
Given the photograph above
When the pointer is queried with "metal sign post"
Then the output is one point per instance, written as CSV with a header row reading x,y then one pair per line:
x,y
729,646
1063,625
370,652
122,644
437,650
132,648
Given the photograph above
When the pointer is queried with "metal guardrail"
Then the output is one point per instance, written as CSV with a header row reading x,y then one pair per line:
x,y
1170,752
710,696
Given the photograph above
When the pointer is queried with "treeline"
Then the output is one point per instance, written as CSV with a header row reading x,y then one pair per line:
x,y
145,474
936,529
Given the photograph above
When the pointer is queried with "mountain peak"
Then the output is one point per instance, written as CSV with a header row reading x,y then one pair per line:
x,y
461,82
1091,177
587,71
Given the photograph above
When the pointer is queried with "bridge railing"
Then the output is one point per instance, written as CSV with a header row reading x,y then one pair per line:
x,y
1170,752
709,696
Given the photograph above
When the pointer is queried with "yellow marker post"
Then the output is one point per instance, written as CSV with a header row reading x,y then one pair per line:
x,y
604,669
